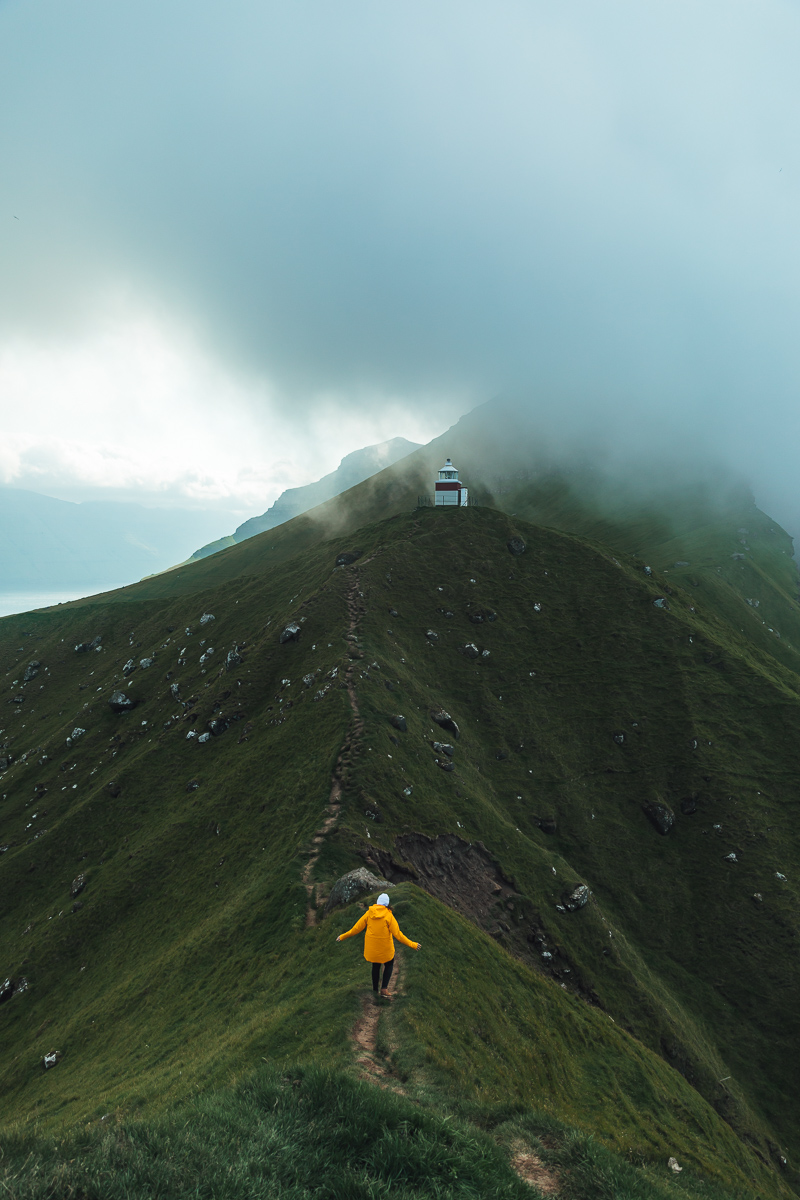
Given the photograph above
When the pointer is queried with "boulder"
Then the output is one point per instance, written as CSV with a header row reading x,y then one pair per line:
x,y
661,815
192,785
374,813
204,737
443,748
31,671
234,659
5,761
120,703
471,650
206,617
144,663
348,556
444,719
218,725
661,602
7,989
175,691
619,738
577,898
353,884
51,1059
291,633
77,886
432,635
399,722
130,666
515,546
444,764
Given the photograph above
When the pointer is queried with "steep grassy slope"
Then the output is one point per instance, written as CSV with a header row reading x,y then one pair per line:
x,y
192,955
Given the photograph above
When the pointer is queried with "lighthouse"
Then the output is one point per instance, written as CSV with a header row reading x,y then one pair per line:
x,y
448,488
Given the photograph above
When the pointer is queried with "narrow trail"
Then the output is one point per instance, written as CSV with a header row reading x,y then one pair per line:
x,y
355,610
373,1065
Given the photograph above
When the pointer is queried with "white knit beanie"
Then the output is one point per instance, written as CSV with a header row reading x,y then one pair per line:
x,y
383,898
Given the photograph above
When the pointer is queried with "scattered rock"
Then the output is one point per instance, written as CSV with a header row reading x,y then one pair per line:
x,y
661,602
374,813
234,659
672,1163
77,906
399,722
206,617
5,761
445,764
204,737
130,666
737,557
759,899
443,748
730,857
76,733
78,884
648,571
353,884
680,563
782,878
348,556
471,650
393,612
291,633
120,703
15,700
218,725
577,898
113,788
662,817
688,806
7,989
85,647
51,1059
144,663
432,636
515,546
478,615
547,824
175,691
619,738
485,653
407,791
31,671
444,719
192,785
501,755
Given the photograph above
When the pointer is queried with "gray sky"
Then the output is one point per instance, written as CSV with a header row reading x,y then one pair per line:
x,y
240,239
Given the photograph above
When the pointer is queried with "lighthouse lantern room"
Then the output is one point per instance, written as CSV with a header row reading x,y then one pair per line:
x,y
448,488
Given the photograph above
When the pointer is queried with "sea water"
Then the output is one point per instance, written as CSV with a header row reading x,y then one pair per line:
x,y
22,602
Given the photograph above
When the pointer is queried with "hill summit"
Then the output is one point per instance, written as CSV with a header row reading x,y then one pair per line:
x,y
575,763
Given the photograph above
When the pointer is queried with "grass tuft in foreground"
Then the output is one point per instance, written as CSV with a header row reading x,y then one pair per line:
x,y
306,1132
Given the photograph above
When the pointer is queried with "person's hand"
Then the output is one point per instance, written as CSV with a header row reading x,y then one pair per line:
x,y
339,938
418,946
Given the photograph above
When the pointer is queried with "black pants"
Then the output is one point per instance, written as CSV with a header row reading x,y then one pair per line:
x,y
387,974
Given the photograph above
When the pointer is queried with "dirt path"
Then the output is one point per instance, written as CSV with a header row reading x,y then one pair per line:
x,y
374,1066
355,610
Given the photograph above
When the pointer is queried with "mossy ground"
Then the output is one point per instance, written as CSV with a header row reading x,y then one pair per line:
x,y
190,960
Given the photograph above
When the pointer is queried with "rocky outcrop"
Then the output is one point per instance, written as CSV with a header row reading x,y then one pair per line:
x,y
355,883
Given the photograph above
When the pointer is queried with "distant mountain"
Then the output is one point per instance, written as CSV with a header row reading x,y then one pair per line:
x,y
354,468
49,544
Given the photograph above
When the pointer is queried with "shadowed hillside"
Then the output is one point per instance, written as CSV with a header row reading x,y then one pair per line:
x,y
587,811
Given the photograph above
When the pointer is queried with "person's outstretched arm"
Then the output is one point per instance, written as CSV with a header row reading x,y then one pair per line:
x,y
359,925
401,937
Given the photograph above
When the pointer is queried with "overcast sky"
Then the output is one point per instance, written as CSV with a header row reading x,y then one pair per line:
x,y
240,239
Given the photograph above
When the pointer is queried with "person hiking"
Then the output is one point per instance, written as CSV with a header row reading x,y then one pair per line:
x,y
380,924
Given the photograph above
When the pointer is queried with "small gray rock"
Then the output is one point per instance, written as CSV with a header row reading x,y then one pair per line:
x,y
206,617
432,635
661,602
120,703
444,719
51,1059
234,659
576,899
290,633
175,690
399,722
471,650
443,748
661,816
731,858
78,884
353,884
204,737
144,663
129,667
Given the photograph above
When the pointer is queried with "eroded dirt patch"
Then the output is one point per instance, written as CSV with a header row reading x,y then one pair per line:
x,y
466,877
531,1168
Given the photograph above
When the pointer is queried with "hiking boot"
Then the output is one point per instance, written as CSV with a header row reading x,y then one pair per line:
x,y
385,993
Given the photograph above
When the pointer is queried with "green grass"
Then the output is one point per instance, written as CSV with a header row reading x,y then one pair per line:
x,y
305,1133
190,959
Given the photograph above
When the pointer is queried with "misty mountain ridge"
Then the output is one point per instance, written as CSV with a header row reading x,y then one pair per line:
x,y
354,468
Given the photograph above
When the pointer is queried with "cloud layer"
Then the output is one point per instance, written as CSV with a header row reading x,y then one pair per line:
x,y
359,209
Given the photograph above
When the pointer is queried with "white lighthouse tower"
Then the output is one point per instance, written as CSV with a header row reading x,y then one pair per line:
x,y
448,488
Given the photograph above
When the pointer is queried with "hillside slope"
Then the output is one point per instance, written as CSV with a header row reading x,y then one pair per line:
x,y
656,1015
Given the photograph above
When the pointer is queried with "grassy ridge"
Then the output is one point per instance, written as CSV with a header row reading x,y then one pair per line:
x,y
197,962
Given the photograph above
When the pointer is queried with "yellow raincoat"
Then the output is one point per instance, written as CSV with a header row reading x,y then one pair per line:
x,y
380,923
